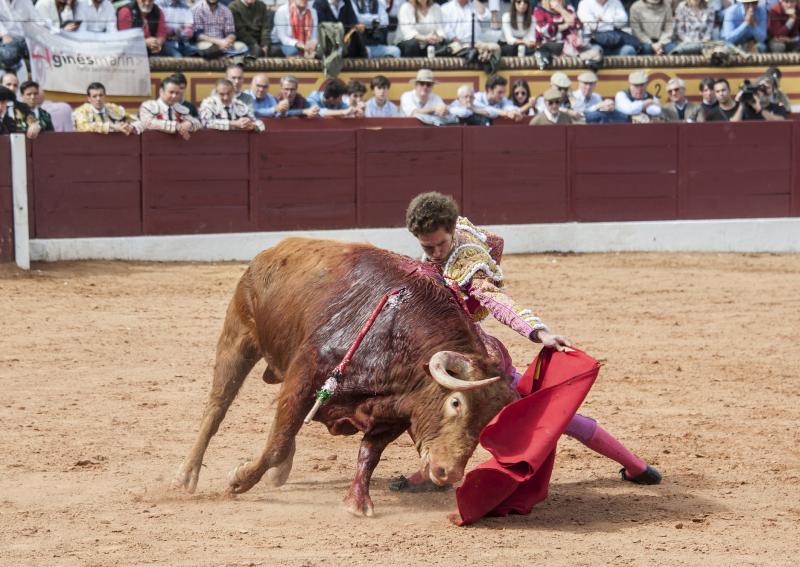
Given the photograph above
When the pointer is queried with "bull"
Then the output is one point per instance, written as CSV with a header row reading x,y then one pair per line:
x,y
423,367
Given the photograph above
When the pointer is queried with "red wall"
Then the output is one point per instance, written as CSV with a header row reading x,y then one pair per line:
x,y
339,174
6,202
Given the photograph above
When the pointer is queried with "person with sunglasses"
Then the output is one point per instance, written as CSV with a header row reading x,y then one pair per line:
x,y
562,84
679,108
552,113
521,97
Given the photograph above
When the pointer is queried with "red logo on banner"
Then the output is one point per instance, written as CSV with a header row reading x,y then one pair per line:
x,y
42,53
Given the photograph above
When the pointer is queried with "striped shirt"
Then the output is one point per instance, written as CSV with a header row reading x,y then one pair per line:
x,y
213,23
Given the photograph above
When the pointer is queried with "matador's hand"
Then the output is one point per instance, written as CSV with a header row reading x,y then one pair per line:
x,y
558,342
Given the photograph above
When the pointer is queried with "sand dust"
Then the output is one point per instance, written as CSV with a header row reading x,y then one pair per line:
x,y
104,369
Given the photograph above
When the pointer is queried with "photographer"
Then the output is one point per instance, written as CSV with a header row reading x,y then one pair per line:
x,y
771,97
745,107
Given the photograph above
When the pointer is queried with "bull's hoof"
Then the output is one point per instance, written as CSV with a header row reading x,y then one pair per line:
x,y
240,480
186,478
361,507
403,484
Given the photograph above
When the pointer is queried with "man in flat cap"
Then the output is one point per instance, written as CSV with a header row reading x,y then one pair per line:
x,y
594,108
679,109
745,25
636,102
560,82
552,113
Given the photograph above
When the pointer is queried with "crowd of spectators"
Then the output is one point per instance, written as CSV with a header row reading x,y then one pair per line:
x,y
231,106
418,28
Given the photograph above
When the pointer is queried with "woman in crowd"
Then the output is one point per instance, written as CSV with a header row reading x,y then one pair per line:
x,y
518,33
419,28
521,97
557,31
694,25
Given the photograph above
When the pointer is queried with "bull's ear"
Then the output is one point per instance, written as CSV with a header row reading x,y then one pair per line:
x,y
427,369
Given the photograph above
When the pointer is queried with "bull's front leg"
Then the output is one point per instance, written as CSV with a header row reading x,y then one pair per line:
x,y
357,501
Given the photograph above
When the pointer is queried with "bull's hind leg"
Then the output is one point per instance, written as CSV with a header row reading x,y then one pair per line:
x,y
237,353
294,401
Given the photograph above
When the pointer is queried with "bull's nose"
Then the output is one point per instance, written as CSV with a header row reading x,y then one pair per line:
x,y
441,475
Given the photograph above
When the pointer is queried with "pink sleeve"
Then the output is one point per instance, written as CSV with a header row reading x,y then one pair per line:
x,y
503,308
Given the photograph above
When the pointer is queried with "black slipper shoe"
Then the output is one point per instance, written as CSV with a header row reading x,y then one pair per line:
x,y
649,476
402,484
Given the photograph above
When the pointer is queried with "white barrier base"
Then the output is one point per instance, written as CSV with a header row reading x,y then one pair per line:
x,y
730,235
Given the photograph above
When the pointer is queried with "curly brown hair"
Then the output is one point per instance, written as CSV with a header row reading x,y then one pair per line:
x,y
429,212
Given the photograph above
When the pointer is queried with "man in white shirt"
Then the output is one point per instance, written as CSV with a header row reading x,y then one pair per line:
x,y
300,39
96,16
636,102
467,111
461,32
603,21
494,101
422,100
595,109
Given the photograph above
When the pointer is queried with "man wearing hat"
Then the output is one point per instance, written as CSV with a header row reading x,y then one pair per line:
x,y
561,83
422,99
745,24
636,102
679,109
595,109
552,113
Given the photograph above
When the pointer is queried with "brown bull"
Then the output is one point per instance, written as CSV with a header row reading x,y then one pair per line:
x,y
423,366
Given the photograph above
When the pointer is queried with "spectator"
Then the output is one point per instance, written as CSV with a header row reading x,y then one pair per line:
x,y
29,93
784,27
214,26
462,24
12,36
355,97
253,23
420,29
775,74
263,103
422,99
709,103
60,112
180,78
679,109
771,98
591,106
651,23
552,113
494,102
292,103
7,124
166,114
235,74
329,100
146,15
465,109
60,14
745,25
636,102
555,24
562,84
295,30
603,21
97,16
97,115
518,31
694,25
372,15
521,97
180,29
727,109
380,105
222,111
17,111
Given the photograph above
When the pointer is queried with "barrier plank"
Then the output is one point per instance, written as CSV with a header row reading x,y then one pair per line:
x,y
396,164
196,186
91,188
515,174
6,202
304,180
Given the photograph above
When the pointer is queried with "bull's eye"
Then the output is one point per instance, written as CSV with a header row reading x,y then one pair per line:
x,y
455,403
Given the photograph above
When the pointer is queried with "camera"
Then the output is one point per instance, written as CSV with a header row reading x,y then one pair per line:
x,y
749,92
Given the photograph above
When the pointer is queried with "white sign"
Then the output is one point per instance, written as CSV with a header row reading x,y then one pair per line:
x,y
68,62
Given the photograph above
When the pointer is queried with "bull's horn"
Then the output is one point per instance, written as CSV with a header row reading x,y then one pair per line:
x,y
442,360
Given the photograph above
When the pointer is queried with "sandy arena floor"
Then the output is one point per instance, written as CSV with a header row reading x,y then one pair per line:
x,y
104,369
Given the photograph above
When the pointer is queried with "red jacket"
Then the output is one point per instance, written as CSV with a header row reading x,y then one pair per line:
x,y
125,21
776,26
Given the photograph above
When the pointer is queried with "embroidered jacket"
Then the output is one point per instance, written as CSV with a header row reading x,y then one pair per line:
x,y
156,115
86,119
474,266
215,115
22,115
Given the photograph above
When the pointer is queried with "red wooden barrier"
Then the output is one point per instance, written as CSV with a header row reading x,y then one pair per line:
x,y
6,202
394,165
86,185
515,175
304,179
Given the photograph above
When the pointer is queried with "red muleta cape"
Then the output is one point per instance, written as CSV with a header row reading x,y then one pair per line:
x,y
522,437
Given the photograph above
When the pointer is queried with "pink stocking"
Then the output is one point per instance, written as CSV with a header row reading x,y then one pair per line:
x,y
587,431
